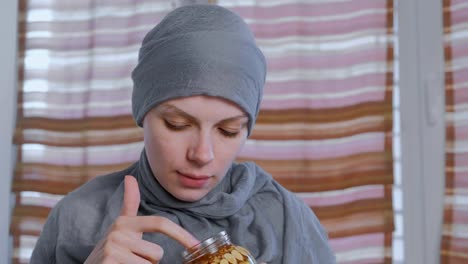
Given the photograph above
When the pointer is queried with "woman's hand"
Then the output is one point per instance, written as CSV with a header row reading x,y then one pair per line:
x,y
123,242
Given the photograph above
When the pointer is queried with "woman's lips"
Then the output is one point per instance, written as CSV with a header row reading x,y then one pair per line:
x,y
193,181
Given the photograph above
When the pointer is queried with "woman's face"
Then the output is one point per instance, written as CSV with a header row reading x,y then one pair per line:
x,y
191,142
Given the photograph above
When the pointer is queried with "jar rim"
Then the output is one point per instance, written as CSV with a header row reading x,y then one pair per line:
x,y
207,242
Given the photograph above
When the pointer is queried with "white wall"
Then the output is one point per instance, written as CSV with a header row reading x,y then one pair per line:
x,y
8,31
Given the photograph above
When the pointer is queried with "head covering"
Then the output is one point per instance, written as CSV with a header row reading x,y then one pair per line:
x,y
199,50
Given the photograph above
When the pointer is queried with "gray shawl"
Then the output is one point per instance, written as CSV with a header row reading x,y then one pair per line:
x,y
255,210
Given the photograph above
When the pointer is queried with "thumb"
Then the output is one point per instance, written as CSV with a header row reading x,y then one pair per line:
x,y
131,200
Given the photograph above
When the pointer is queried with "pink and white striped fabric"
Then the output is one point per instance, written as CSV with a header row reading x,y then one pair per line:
x,y
454,246
324,130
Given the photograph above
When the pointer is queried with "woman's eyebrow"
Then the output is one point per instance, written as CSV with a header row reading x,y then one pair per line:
x,y
170,109
234,118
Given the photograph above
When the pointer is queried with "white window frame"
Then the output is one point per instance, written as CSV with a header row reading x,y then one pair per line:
x,y
422,97
8,80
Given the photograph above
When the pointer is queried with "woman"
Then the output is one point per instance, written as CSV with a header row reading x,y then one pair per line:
x,y
197,92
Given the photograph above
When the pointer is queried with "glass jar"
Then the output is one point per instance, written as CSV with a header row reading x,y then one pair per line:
x,y
217,249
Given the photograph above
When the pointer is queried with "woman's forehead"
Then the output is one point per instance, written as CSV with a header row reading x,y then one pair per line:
x,y
202,105
202,101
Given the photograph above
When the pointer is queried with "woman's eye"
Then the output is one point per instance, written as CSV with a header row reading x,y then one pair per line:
x,y
175,126
228,133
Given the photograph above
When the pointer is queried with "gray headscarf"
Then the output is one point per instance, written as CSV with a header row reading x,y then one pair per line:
x,y
199,50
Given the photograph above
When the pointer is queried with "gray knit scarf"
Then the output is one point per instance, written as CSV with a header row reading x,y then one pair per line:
x,y
199,50
255,210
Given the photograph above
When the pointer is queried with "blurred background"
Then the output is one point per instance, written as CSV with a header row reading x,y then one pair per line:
x,y
365,114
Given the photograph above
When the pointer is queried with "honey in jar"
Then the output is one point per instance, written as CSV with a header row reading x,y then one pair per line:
x,y
218,249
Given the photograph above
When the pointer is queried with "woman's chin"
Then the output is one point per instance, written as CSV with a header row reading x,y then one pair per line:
x,y
190,195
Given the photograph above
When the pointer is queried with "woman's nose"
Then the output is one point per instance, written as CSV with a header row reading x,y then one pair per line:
x,y
201,150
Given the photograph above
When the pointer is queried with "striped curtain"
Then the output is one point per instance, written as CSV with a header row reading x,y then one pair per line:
x,y
324,130
325,127
454,246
